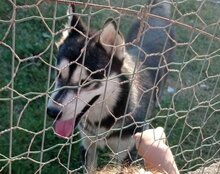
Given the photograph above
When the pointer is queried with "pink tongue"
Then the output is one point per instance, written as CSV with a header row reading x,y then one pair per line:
x,y
64,128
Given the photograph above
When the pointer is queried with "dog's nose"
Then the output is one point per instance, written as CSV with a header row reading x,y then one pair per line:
x,y
54,112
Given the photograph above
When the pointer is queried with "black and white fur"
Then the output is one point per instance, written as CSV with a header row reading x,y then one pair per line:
x,y
109,86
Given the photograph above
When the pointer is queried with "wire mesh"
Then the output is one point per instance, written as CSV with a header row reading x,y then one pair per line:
x,y
188,110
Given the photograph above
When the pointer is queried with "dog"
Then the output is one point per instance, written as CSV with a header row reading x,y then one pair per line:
x,y
107,86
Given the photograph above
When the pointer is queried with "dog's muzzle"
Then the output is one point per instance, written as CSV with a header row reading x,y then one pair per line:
x,y
64,128
54,112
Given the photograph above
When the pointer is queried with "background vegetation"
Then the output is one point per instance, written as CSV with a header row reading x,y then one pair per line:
x,y
190,115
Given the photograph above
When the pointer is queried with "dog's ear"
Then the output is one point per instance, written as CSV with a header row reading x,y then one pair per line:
x,y
111,39
74,22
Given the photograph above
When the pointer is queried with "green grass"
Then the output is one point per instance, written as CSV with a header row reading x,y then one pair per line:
x,y
190,116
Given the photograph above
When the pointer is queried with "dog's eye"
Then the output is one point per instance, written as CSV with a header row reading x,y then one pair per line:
x,y
60,78
85,83
59,75
82,81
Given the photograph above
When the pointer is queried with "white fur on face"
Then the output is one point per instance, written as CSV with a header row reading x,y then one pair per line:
x,y
78,75
64,68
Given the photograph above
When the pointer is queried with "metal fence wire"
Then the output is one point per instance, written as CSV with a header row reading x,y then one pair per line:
x,y
77,67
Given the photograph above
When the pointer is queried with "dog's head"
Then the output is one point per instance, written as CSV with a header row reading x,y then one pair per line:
x,y
87,66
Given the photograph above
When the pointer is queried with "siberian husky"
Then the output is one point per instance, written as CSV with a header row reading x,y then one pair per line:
x,y
107,86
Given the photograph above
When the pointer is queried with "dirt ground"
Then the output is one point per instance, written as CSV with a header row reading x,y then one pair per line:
x,y
212,169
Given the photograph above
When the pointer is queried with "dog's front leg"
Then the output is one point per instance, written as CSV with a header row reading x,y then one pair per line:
x,y
90,157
